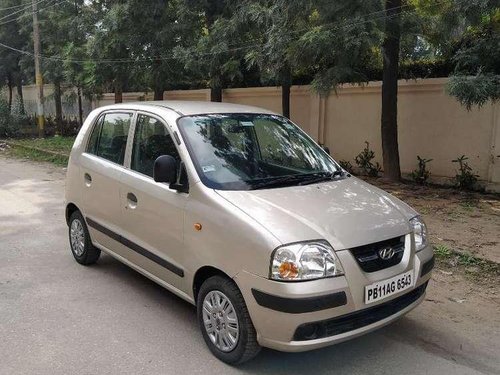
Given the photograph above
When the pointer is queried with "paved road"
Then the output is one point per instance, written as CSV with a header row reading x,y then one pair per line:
x,y
57,317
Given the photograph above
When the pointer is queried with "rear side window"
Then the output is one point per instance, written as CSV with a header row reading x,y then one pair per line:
x,y
151,140
109,137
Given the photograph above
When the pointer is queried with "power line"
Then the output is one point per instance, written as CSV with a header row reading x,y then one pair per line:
x,y
30,14
13,7
345,25
26,7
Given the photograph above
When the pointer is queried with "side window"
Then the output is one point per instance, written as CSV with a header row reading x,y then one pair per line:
x,y
109,137
151,140
94,137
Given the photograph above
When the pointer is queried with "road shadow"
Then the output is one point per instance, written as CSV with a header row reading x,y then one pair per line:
x,y
364,352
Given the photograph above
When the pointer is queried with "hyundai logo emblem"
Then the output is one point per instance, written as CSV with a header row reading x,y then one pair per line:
x,y
386,253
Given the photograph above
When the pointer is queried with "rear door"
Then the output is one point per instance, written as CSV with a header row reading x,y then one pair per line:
x,y
153,214
101,167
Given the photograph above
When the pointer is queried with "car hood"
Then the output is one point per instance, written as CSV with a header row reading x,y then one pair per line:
x,y
347,212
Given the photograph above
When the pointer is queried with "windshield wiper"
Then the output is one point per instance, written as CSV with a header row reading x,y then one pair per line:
x,y
300,179
278,181
322,176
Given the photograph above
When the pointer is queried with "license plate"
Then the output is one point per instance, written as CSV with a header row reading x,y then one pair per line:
x,y
386,288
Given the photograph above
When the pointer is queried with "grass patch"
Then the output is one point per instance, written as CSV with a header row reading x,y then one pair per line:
x,y
442,251
34,155
53,150
56,144
478,269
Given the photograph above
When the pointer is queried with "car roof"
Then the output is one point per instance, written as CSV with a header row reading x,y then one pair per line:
x,y
183,108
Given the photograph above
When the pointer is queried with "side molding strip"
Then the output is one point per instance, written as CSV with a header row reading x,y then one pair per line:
x,y
135,247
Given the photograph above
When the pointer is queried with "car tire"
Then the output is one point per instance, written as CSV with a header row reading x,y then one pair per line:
x,y
246,346
79,241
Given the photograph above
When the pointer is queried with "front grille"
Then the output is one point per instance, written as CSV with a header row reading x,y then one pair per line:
x,y
358,319
368,256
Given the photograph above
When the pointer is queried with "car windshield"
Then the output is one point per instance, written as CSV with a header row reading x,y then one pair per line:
x,y
254,151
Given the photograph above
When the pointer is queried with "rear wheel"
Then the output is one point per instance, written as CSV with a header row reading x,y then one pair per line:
x,y
79,239
225,322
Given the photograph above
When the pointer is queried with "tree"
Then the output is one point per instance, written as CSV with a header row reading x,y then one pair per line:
x,y
57,27
211,57
338,46
11,72
465,34
74,52
109,48
389,121
154,42
476,79
272,28
6,77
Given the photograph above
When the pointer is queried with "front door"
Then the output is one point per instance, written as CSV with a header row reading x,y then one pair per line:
x,y
153,214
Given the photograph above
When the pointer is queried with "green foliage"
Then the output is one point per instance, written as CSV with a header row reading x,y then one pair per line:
x,y
421,174
11,120
210,57
5,125
465,179
364,162
474,90
12,64
339,43
442,251
476,77
134,45
272,27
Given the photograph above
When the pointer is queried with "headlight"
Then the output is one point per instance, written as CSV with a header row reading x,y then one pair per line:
x,y
305,261
419,232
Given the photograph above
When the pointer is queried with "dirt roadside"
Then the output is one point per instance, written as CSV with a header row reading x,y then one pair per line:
x,y
463,221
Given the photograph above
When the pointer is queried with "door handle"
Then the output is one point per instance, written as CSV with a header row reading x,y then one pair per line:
x,y
131,200
88,179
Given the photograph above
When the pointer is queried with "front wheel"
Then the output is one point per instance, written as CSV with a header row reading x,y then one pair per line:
x,y
225,322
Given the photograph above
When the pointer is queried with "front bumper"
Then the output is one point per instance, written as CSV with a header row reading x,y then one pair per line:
x,y
286,314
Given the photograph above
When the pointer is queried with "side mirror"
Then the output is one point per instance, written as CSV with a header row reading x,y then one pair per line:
x,y
165,169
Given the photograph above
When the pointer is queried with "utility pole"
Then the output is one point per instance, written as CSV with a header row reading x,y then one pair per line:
x,y
38,72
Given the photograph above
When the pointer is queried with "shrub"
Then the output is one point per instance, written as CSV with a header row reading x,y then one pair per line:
x,y
8,126
465,179
364,162
421,174
346,165
18,117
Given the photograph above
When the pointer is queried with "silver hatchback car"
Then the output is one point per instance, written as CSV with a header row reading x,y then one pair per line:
x,y
238,211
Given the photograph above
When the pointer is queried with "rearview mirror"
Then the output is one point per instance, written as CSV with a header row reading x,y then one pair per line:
x,y
165,169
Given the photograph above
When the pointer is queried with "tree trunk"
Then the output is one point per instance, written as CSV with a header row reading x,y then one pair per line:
x,y
389,121
118,92
19,85
285,99
80,107
10,84
286,84
158,93
216,94
58,101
